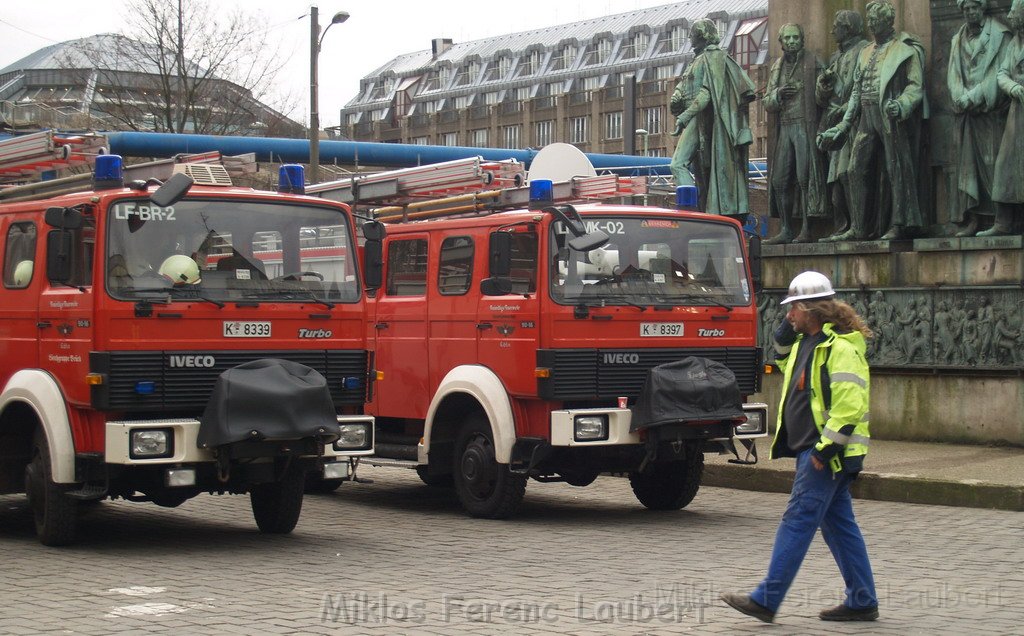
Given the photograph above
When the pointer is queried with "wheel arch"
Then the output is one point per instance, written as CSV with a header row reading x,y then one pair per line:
x,y
462,389
35,392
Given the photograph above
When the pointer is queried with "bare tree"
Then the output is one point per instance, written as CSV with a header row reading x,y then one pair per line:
x,y
187,67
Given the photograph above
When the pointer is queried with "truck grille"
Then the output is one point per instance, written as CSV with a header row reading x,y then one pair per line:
x,y
598,374
187,385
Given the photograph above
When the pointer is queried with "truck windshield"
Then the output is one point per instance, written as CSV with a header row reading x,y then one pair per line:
x,y
651,261
230,251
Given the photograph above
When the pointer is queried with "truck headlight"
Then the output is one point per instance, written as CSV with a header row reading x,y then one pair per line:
x,y
755,424
151,443
354,437
590,428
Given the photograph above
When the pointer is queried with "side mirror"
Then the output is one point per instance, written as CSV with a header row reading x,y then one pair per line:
x,y
374,231
373,263
754,253
589,242
65,218
500,254
58,255
498,286
173,190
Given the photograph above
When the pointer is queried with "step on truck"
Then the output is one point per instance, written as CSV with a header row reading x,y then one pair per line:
x,y
166,340
516,329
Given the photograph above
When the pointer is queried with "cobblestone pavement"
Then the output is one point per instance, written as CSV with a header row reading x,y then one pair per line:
x,y
397,557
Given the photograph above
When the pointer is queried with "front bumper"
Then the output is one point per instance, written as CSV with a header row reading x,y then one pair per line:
x,y
564,431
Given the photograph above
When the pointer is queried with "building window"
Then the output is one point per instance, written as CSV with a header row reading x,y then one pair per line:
x,y
479,137
529,64
510,136
491,98
407,268
665,72
613,125
455,274
591,83
564,58
598,52
673,41
556,88
543,133
448,139
421,141
651,118
579,130
636,46
463,101
523,94
746,44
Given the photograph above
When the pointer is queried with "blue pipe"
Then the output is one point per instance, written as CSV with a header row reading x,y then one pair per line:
x,y
277,150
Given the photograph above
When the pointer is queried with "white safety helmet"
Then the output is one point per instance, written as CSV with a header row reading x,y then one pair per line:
x,y
808,286
181,269
23,273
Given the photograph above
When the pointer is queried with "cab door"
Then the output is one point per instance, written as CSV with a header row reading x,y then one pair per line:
x,y
400,330
19,304
509,324
66,311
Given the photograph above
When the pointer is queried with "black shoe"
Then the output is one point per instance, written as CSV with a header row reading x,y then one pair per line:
x,y
844,613
742,603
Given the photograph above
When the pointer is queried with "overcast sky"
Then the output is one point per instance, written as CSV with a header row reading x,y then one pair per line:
x,y
377,31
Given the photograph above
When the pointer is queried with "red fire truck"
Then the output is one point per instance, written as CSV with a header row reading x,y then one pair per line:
x,y
512,338
127,311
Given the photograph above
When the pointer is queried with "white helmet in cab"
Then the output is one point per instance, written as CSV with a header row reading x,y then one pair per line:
x,y
808,286
181,269
23,273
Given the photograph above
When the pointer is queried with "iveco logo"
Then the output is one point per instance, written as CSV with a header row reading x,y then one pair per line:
x,y
622,358
192,362
711,333
315,333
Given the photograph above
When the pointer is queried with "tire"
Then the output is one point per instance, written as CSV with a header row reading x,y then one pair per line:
x,y
486,489
668,485
435,481
276,506
55,515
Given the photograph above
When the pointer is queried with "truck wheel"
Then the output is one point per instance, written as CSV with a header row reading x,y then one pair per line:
x,y
668,485
276,506
55,515
485,488
435,481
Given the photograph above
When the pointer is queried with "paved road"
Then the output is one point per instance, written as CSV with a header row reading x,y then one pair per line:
x,y
397,557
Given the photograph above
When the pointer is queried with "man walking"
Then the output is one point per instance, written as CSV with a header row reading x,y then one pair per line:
x,y
823,423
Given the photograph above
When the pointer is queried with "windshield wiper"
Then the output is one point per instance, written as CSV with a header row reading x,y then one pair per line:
x,y
291,294
188,294
710,299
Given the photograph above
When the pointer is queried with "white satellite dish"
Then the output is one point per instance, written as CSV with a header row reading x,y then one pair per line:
x,y
560,162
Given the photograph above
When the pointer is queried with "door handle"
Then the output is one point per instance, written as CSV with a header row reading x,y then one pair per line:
x,y
484,325
43,324
381,325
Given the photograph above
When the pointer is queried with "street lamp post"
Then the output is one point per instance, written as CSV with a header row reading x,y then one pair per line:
x,y
315,39
646,135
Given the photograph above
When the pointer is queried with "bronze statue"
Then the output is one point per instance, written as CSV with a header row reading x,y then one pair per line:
x,y
980,108
1009,169
710,104
832,93
796,167
887,104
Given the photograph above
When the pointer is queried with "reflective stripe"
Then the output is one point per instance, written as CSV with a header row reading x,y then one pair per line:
x,y
835,436
849,377
860,439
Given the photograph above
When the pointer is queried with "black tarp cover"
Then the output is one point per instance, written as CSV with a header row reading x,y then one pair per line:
x,y
688,390
278,399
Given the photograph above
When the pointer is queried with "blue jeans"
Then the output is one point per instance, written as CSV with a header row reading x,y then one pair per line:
x,y
820,498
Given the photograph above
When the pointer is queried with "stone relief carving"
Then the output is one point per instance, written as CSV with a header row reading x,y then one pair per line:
x,y
928,329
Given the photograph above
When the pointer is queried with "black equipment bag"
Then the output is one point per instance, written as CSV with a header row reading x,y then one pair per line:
x,y
268,399
689,390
